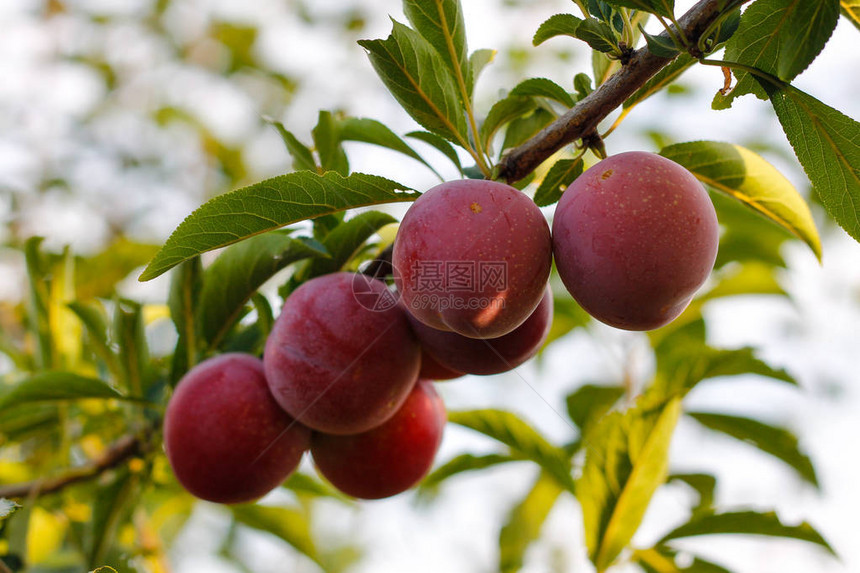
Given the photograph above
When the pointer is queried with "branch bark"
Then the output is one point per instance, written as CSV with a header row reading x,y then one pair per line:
x,y
120,451
582,119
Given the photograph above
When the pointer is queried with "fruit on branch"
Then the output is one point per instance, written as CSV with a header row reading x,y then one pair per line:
x,y
472,257
341,357
226,438
430,367
493,355
388,459
634,237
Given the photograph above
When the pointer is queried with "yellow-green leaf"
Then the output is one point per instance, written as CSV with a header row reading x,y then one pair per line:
x,y
851,10
747,177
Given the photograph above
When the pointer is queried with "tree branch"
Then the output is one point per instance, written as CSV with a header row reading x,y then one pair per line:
x,y
582,119
120,451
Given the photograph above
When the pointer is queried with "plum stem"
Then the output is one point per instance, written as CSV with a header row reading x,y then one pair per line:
x,y
584,117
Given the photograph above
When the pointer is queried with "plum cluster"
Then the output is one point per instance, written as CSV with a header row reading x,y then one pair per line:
x,y
347,367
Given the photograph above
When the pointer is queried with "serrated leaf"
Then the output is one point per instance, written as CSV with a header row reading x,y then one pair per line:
x,y
663,8
237,273
524,523
55,387
827,144
503,112
542,87
7,507
557,25
557,179
328,144
442,24
582,85
376,133
479,60
526,127
302,157
703,484
589,403
747,236
523,439
660,46
289,525
442,145
747,523
747,177
598,35
418,77
345,240
778,442
463,463
268,205
851,10
779,37
627,459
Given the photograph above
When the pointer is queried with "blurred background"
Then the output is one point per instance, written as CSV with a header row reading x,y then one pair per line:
x,y
119,117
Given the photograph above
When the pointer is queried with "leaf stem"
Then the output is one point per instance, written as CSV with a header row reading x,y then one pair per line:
x,y
749,69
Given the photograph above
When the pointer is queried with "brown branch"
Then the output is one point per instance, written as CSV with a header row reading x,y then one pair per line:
x,y
120,451
582,119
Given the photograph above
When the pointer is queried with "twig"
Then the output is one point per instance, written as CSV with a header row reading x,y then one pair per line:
x,y
380,267
583,118
123,449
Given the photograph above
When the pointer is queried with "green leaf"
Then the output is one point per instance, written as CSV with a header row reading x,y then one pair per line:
x,y
128,329
557,179
704,484
345,240
660,46
523,440
92,315
303,484
237,273
376,133
663,8
418,77
479,60
779,37
747,177
746,523
663,78
55,386
582,85
627,459
463,463
38,273
442,145
589,403
303,159
182,298
851,10
98,275
662,560
525,521
503,112
542,87
557,25
289,525
7,507
598,35
328,144
268,205
526,127
111,509
778,442
827,143
442,24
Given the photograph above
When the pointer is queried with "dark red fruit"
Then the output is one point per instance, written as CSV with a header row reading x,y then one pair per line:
x,y
389,459
431,369
488,356
226,438
634,238
341,358
473,257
